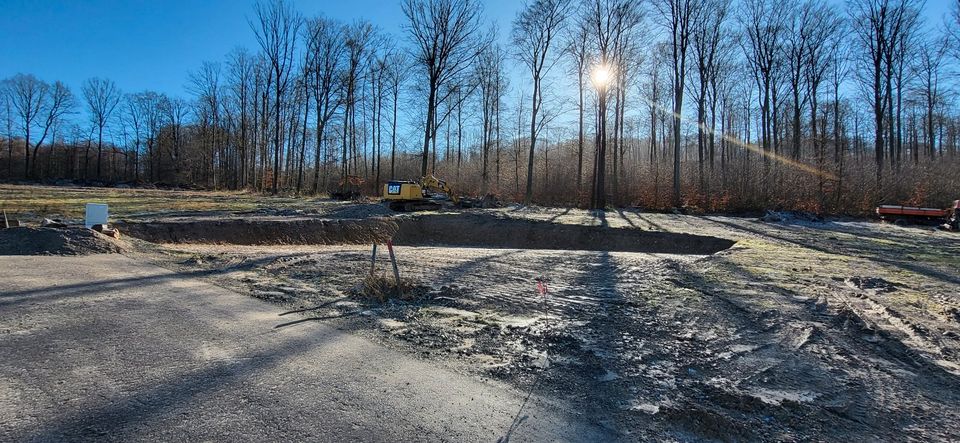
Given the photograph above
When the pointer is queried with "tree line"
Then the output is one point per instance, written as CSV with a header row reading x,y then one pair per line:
x,y
710,104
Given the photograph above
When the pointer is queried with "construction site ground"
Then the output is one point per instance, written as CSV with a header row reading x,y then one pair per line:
x,y
742,330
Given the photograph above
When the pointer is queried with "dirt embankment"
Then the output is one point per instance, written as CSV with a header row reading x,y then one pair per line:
x,y
265,232
55,241
452,230
480,231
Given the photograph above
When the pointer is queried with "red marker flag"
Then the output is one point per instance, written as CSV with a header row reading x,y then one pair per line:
x,y
542,288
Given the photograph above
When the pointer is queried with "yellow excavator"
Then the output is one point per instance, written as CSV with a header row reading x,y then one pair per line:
x,y
409,196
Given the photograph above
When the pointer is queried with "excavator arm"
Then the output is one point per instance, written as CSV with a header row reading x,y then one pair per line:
x,y
432,183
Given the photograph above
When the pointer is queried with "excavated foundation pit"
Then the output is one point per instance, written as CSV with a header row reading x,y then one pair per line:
x,y
441,230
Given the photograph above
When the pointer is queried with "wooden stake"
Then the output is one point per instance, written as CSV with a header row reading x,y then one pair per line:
x,y
373,260
396,270
6,223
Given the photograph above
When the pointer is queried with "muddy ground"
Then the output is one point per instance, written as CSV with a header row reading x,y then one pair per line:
x,y
743,330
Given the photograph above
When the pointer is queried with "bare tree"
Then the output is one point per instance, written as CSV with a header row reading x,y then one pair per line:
x,y
239,78
489,75
28,95
796,35
953,27
823,23
102,96
444,34
134,117
326,49
58,102
898,55
652,97
706,50
839,71
763,28
177,111
276,31
870,24
206,88
681,18
8,120
150,108
396,75
609,21
628,57
877,25
359,43
578,49
378,92
784,75
929,69
534,31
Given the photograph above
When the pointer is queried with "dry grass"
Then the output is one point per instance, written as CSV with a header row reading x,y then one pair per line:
x,y
68,202
381,287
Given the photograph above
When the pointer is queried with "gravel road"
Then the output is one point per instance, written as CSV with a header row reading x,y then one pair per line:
x,y
107,347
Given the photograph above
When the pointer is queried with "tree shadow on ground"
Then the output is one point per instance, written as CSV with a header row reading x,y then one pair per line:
x,y
844,367
123,413
882,257
10,299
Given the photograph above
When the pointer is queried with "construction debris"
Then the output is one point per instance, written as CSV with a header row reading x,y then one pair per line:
x,y
55,223
106,230
7,223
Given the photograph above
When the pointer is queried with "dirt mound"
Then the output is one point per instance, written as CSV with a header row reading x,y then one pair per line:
x,y
265,232
55,241
483,231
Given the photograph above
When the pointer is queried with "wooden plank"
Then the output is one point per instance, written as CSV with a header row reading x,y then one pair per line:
x,y
396,270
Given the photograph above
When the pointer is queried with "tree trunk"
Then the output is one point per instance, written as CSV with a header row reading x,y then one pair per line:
x,y
535,108
431,115
393,139
580,135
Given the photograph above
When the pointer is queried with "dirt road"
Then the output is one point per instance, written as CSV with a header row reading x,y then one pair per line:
x,y
107,347
825,331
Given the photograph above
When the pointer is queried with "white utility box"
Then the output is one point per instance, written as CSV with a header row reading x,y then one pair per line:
x,y
97,214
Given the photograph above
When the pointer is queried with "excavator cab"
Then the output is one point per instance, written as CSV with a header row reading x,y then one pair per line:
x,y
409,196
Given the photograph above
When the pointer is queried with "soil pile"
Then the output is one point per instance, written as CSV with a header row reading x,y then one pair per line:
x,y
55,241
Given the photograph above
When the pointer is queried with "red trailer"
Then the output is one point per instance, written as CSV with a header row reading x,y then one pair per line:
x,y
902,214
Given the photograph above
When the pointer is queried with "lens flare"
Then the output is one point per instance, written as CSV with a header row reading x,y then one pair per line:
x,y
601,76
752,147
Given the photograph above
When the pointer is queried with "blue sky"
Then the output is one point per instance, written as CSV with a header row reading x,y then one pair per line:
x,y
144,44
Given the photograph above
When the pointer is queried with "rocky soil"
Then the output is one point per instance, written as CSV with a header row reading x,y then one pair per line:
x,y
803,330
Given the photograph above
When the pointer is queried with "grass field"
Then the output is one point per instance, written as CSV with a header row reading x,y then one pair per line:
x,y
68,202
